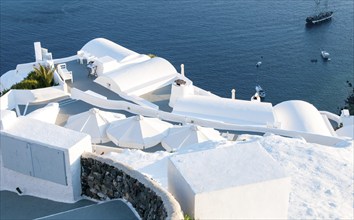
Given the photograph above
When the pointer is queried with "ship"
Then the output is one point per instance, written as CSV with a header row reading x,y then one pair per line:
x,y
322,14
260,92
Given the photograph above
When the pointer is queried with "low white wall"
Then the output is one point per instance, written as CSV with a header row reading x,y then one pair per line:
x,y
178,187
332,116
66,59
7,118
25,68
15,76
22,97
8,101
100,149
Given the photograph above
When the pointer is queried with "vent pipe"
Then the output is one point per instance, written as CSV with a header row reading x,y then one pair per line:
x,y
182,69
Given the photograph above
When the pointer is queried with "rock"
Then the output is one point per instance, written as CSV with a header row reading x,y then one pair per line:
x,y
101,181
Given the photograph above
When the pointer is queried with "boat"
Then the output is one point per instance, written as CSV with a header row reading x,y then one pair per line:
x,y
261,93
325,55
324,15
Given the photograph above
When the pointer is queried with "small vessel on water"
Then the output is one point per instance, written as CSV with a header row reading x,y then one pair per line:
x,y
261,93
325,55
323,15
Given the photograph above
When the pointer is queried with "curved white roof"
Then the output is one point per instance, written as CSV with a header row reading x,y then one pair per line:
x,y
139,78
226,110
300,116
101,47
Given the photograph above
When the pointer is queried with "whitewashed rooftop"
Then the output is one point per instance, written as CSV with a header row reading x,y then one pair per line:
x,y
100,47
226,167
301,116
26,128
226,110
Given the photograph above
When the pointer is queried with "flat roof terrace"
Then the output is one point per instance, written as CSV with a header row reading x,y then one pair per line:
x,y
84,82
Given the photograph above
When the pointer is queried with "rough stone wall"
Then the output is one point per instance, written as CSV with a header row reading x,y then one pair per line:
x,y
101,181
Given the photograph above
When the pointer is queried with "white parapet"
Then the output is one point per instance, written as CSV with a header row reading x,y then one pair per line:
x,y
38,51
7,118
236,182
42,159
182,69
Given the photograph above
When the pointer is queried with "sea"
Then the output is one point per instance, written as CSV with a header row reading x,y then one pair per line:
x,y
218,41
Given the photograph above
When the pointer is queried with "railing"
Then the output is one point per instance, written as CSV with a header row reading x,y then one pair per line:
x,y
332,116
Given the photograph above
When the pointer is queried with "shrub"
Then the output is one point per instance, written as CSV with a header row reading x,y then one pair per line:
x,y
349,101
26,84
40,77
151,55
44,76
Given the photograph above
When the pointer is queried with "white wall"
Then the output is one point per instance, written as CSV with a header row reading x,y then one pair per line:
x,y
180,189
7,118
264,200
71,143
241,181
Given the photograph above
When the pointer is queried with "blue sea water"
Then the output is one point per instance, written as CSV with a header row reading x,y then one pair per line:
x,y
218,41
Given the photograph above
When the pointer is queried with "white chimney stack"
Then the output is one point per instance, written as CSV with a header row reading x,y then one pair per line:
x,y
38,51
233,94
182,69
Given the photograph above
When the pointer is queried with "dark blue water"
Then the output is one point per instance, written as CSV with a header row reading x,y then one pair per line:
x,y
218,41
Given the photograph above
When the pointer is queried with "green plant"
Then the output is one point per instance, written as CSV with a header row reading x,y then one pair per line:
x,y
44,75
26,84
187,217
4,92
151,55
40,77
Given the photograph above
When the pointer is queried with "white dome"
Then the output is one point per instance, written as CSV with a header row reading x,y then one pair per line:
x,y
301,116
101,47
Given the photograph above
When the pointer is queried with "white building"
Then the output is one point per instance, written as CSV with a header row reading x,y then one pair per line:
x,y
237,182
42,159
126,72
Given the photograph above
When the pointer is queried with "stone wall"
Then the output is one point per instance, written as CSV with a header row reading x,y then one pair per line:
x,y
103,179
